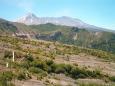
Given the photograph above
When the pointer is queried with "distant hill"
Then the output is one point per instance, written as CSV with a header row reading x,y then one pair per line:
x,y
7,27
102,40
81,37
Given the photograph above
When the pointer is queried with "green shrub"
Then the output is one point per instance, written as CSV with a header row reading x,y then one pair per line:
x,y
29,57
25,64
7,54
35,70
5,78
91,84
60,69
76,73
112,78
49,62
8,76
40,64
5,83
41,74
21,76
68,68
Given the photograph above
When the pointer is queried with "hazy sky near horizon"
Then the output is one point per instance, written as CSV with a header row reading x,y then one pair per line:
x,y
96,12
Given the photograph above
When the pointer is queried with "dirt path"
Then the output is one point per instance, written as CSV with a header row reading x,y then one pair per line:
x,y
31,82
88,61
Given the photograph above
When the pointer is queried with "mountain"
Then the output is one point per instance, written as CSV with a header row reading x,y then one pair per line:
x,y
32,19
28,19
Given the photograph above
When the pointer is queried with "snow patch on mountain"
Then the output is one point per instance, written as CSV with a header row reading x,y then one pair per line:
x,y
32,19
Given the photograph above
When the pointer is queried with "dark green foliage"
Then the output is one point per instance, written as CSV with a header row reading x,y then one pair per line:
x,y
5,78
75,72
40,64
27,61
112,78
29,57
25,64
23,75
69,70
7,54
75,29
8,76
35,70
60,68
49,62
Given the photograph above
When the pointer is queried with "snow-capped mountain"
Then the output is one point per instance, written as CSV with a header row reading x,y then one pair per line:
x,y
32,19
28,19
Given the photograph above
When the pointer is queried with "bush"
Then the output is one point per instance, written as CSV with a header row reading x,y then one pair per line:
x,y
7,54
25,64
68,68
35,70
91,84
29,57
5,83
77,73
21,76
112,78
49,62
5,77
41,74
8,76
48,66
40,64
60,69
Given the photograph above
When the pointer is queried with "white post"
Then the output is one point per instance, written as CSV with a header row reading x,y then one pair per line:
x,y
13,56
6,64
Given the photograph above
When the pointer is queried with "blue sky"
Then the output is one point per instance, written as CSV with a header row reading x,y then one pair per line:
x,y
96,12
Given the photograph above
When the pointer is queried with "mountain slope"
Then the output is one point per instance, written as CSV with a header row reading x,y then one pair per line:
x,y
28,19
7,27
73,35
69,35
32,19
49,63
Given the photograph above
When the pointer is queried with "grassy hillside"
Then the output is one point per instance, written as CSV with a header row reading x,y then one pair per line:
x,y
44,61
80,37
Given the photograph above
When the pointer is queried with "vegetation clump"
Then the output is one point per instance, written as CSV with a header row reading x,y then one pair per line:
x,y
6,78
